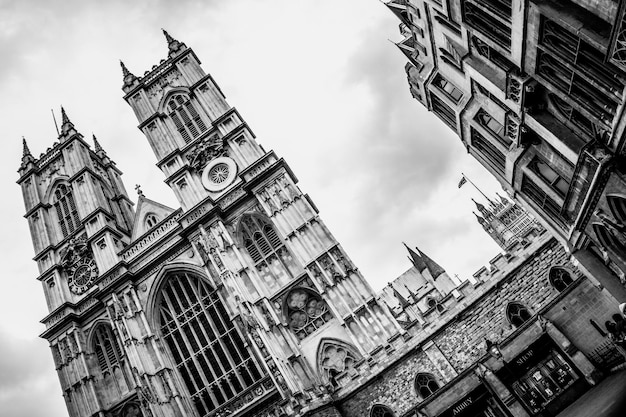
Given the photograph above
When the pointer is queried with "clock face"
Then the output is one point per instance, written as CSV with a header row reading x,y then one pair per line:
x,y
85,271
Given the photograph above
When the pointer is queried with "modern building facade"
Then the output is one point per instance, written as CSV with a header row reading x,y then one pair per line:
x,y
535,91
242,303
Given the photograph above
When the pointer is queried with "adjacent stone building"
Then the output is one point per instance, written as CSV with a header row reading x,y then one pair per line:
x,y
535,91
241,302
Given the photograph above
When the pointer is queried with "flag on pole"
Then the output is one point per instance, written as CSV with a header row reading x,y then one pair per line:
x,y
463,181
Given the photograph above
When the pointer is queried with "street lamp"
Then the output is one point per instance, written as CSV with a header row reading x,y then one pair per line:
x,y
493,349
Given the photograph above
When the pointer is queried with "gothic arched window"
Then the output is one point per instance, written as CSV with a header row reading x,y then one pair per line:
x,y
607,238
381,411
272,260
425,385
617,205
206,348
185,117
106,348
517,313
65,207
305,311
560,278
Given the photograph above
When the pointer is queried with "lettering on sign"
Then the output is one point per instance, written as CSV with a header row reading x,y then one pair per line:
x,y
525,357
460,407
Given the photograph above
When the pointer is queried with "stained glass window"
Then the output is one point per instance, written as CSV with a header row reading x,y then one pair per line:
x,y
207,350
425,385
306,311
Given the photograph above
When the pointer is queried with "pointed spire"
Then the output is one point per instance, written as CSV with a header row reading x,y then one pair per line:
x,y
125,71
25,151
433,267
415,258
64,118
486,213
403,302
96,144
172,44
480,219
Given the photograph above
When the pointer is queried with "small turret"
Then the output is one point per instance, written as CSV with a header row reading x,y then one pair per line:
x,y
67,127
173,45
129,78
27,158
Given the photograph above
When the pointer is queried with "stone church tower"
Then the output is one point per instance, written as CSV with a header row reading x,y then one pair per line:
x,y
240,302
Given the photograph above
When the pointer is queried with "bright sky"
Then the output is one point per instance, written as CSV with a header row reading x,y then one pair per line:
x,y
317,81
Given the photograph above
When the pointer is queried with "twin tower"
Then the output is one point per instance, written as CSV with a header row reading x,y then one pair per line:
x,y
240,302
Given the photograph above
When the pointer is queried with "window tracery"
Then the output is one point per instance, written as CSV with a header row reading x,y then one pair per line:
x,y
106,349
185,117
206,349
578,70
151,220
556,181
381,411
448,88
335,357
272,260
306,311
617,205
66,211
425,385
517,313
560,278
492,18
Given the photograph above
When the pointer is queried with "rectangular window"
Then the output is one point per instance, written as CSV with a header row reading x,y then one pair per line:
x,y
490,152
443,111
578,70
448,88
492,18
541,199
559,184
496,128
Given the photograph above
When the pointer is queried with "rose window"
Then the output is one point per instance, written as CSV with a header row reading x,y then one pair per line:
x,y
306,312
219,173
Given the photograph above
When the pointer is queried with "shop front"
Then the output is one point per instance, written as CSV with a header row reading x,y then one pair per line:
x,y
478,403
543,378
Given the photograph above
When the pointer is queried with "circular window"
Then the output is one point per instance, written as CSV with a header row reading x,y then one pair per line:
x,y
219,174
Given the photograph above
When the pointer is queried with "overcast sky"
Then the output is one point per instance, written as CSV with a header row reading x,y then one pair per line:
x,y
317,81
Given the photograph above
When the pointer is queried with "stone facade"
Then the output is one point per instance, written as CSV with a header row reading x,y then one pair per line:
x,y
535,91
241,302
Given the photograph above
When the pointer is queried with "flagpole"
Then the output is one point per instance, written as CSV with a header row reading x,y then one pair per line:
x,y
470,181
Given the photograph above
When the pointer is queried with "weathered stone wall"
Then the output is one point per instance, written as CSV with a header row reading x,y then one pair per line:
x,y
462,340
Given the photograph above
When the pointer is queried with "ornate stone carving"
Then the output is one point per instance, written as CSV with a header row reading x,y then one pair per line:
x,y
208,149
77,261
334,357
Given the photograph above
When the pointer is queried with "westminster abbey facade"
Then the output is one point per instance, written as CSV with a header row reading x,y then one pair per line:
x,y
242,303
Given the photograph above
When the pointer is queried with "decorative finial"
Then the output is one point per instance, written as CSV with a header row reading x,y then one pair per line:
x,y
64,118
96,144
172,44
125,71
26,151
167,36
138,188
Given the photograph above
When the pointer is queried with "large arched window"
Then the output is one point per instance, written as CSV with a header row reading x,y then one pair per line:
x,y
185,117
106,349
517,313
305,311
207,350
425,385
381,411
65,207
272,260
560,278
617,204
607,238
